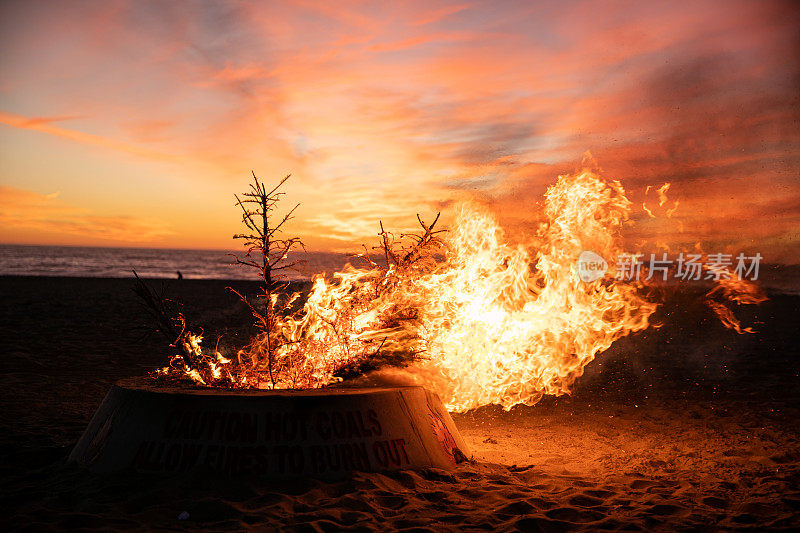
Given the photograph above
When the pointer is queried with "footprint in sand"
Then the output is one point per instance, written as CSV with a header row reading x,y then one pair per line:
x,y
582,500
570,514
716,503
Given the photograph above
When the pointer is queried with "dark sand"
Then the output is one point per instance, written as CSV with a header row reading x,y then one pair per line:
x,y
687,427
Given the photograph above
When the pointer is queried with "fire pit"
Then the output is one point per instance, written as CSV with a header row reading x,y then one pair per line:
x,y
324,433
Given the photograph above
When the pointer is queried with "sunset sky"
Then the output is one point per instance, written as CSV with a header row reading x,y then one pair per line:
x,y
133,123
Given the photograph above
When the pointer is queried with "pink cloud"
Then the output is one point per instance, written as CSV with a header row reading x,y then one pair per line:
x,y
380,109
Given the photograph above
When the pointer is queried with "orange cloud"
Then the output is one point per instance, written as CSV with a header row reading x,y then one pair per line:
x,y
29,212
45,125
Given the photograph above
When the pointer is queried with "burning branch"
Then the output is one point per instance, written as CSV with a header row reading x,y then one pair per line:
x,y
168,319
265,251
427,238
399,255
396,323
170,322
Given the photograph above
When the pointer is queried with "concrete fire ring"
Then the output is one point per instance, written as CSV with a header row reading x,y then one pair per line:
x,y
324,433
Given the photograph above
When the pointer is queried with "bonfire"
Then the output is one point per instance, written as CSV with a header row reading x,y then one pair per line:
x,y
467,312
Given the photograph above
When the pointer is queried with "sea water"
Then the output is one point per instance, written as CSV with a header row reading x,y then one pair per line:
x,y
79,261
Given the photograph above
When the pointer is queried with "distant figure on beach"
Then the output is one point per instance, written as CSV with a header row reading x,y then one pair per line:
x,y
180,276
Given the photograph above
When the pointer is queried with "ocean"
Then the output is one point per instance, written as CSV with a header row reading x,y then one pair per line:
x,y
79,261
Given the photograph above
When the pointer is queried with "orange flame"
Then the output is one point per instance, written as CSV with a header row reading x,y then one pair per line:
x,y
479,320
504,328
662,200
493,322
739,291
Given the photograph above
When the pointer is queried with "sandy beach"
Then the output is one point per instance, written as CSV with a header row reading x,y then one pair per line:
x,y
685,427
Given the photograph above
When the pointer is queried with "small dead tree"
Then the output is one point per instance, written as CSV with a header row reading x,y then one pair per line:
x,y
267,252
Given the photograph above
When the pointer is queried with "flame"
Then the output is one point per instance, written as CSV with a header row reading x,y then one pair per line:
x,y
739,291
662,194
662,200
644,203
729,288
506,324
493,322
207,370
472,315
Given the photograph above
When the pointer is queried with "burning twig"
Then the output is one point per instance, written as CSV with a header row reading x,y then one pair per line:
x,y
404,256
428,238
